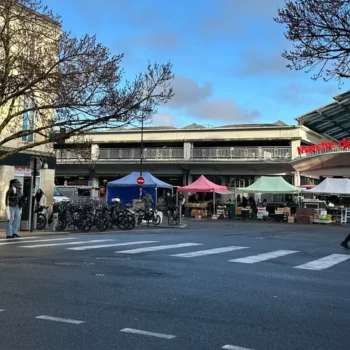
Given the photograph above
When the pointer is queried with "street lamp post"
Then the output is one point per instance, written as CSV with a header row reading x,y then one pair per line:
x,y
141,153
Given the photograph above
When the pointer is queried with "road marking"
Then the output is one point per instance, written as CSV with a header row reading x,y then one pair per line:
x,y
262,257
38,240
151,334
111,245
59,319
208,252
232,347
17,239
2,310
159,247
324,263
65,243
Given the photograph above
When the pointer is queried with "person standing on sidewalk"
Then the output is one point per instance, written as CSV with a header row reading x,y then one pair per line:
x,y
13,208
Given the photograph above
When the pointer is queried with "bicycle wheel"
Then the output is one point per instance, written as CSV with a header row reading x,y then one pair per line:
x,y
41,222
123,222
132,221
84,223
102,223
170,219
156,220
61,223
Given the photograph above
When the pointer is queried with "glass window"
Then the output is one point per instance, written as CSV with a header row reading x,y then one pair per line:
x,y
28,121
56,192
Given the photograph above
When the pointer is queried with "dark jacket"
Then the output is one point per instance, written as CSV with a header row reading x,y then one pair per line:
x,y
14,199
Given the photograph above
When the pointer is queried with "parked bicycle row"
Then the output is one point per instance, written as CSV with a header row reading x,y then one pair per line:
x,y
86,216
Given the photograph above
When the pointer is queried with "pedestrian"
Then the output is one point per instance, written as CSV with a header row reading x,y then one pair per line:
x,y
13,208
182,203
344,244
41,200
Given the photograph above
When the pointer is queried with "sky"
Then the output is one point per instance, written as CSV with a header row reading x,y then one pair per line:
x,y
226,56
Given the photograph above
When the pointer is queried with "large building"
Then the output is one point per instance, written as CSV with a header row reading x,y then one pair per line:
x,y
26,35
231,155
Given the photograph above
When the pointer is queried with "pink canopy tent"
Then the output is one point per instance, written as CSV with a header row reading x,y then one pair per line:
x,y
203,185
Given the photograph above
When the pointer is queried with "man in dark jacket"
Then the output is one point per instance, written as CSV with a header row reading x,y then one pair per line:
x,y
13,208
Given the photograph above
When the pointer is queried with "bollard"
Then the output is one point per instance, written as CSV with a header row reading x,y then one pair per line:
x,y
54,221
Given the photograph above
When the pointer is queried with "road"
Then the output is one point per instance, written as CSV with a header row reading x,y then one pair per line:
x,y
212,286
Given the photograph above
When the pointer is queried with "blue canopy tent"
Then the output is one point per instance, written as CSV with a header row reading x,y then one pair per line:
x,y
127,189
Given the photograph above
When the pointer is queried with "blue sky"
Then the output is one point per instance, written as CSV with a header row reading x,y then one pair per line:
x,y
226,56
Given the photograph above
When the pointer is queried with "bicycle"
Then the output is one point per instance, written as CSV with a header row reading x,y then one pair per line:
x,y
173,216
41,220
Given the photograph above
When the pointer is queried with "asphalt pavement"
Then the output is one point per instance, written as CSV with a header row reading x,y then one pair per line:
x,y
214,285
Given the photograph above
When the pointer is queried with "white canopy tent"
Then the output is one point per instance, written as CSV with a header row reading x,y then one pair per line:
x,y
330,186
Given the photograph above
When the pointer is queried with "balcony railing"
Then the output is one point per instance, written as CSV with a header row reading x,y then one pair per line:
x,y
135,153
205,153
74,155
253,153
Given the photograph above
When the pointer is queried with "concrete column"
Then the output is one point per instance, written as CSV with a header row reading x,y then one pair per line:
x,y
6,174
190,179
95,152
294,148
95,185
223,180
187,150
184,179
47,183
296,178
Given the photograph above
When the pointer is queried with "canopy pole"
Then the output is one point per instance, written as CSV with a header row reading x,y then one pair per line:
x,y
213,203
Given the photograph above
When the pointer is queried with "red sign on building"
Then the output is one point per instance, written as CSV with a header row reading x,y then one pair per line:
x,y
322,146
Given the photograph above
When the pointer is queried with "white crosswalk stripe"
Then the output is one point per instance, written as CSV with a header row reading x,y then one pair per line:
x,y
324,263
17,239
232,347
208,252
159,247
37,240
263,257
65,243
110,245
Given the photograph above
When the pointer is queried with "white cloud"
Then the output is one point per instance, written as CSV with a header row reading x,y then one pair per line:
x,y
163,119
222,110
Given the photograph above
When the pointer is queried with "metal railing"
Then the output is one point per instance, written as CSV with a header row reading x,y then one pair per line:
x,y
135,153
207,153
74,155
242,153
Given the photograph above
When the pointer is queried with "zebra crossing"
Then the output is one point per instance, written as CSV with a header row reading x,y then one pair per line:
x,y
192,250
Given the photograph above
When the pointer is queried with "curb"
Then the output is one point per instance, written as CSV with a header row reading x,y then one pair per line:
x,y
145,229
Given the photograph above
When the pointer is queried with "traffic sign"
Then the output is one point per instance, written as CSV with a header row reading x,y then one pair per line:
x,y
140,180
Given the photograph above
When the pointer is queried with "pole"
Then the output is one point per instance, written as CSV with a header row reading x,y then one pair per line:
x,y
141,154
32,203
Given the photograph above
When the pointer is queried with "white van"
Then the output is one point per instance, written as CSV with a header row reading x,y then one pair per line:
x,y
58,196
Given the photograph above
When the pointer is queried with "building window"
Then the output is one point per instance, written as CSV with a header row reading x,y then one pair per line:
x,y
28,121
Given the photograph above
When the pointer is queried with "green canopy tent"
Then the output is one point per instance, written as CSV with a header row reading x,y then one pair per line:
x,y
271,184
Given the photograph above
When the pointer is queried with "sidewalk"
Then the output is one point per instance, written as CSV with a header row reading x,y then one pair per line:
x,y
142,227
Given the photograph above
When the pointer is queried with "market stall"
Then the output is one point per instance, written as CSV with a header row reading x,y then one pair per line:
x,y
127,188
273,185
205,186
339,213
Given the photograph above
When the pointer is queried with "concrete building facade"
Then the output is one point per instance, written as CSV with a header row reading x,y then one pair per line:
x,y
232,155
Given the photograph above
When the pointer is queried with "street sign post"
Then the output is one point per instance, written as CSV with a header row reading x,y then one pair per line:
x,y
140,180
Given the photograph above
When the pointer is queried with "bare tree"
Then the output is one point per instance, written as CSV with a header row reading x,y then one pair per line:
x,y
320,33
51,81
